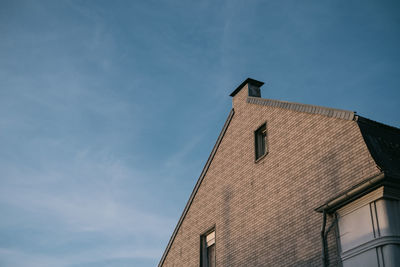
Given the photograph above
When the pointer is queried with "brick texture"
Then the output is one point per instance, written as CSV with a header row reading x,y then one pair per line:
x,y
264,212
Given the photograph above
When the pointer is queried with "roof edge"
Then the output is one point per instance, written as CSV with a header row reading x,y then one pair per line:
x,y
305,108
198,183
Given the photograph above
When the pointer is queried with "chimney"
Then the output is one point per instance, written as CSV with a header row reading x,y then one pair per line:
x,y
252,85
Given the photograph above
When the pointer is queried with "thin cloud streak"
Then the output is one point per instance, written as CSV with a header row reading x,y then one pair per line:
x,y
18,258
92,203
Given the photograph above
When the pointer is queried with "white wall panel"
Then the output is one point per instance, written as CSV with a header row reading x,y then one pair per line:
x,y
369,233
366,259
388,212
356,228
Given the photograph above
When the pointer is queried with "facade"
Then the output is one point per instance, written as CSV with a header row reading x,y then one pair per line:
x,y
289,184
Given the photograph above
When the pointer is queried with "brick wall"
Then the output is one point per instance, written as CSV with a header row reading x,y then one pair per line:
x,y
264,212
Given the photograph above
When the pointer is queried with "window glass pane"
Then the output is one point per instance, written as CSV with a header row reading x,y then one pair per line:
x,y
211,256
207,252
210,239
260,141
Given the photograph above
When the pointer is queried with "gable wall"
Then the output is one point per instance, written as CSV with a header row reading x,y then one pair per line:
x,y
264,212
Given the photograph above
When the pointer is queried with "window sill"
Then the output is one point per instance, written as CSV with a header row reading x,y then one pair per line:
x,y
260,158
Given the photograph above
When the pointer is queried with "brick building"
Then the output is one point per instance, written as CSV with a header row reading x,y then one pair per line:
x,y
290,184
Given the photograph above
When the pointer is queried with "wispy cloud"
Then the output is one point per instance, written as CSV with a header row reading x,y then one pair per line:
x,y
87,197
18,258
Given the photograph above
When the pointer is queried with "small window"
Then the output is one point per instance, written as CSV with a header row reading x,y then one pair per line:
x,y
260,141
208,249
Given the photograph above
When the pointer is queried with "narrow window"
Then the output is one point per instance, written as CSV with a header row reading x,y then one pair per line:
x,y
208,249
260,141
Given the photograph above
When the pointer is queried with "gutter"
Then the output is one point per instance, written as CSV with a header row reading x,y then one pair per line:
x,y
351,194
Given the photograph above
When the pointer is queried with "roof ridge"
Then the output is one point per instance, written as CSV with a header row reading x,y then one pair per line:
x,y
376,123
305,108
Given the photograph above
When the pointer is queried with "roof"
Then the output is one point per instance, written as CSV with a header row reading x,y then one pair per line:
x,y
383,143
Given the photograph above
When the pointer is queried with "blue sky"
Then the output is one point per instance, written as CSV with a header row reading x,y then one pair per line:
x,y
109,109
